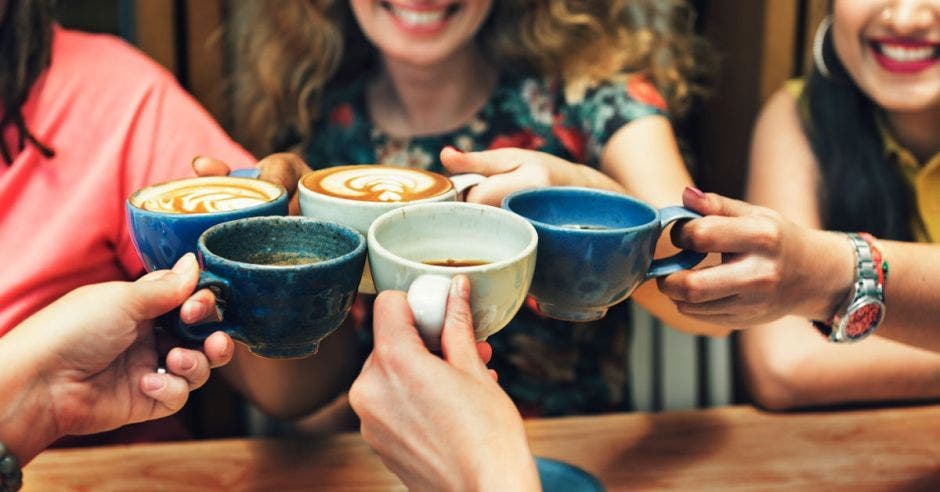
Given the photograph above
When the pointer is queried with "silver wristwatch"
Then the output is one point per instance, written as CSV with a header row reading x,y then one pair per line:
x,y
865,306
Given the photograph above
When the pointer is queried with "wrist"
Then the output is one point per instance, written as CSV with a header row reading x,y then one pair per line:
x,y
832,276
512,467
27,420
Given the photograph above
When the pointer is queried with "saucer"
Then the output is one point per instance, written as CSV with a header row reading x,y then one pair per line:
x,y
557,476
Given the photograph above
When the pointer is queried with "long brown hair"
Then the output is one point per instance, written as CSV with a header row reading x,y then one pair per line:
x,y
288,52
25,51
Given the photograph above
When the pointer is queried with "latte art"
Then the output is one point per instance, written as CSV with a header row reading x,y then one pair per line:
x,y
205,195
377,183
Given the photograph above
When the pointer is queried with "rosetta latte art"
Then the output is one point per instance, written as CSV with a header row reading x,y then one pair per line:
x,y
205,198
380,183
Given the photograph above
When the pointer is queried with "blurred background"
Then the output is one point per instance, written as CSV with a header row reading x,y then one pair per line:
x,y
760,44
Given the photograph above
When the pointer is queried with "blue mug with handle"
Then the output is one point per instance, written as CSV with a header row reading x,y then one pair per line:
x,y
281,284
595,247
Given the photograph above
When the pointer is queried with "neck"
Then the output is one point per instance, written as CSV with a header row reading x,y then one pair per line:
x,y
408,100
919,132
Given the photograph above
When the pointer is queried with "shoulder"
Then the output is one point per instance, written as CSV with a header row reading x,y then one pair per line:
x,y
626,90
781,113
105,64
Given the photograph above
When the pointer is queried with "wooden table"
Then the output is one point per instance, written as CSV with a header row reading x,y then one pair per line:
x,y
721,449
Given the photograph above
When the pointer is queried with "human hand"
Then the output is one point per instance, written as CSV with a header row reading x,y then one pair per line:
x,y
439,423
770,266
507,170
284,169
95,353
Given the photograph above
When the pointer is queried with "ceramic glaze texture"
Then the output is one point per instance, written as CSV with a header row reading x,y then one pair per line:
x,y
402,239
161,238
280,310
595,247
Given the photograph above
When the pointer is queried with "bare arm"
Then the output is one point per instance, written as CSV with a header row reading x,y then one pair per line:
x,y
787,363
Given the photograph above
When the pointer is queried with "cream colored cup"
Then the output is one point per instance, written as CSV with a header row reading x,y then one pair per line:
x,y
359,214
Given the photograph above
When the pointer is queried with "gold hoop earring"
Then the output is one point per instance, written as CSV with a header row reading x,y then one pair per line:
x,y
819,40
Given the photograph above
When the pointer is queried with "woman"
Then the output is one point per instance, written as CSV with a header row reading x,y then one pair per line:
x,y
856,147
589,85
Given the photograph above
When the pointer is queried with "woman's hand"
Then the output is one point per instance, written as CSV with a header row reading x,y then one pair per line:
x,y
88,362
284,169
512,169
439,424
770,266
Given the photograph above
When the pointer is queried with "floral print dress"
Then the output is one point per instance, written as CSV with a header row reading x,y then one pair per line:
x,y
548,367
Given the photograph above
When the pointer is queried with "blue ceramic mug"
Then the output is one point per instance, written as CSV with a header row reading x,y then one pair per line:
x,y
595,247
282,284
166,219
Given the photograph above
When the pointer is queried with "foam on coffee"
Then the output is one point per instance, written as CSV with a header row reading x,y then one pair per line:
x,y
377,183
205,195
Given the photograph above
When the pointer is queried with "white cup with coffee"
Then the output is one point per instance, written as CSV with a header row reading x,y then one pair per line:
x,y
355,195
419,248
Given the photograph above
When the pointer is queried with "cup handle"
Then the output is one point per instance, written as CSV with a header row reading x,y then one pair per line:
x,y
427,297
222,290
463,183
686,258
248,172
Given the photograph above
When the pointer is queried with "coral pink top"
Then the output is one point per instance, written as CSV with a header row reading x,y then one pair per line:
x,y
117,122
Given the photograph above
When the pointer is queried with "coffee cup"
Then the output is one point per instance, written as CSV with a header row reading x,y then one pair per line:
x,y
595,247
281,284
356,195
419,248
166,219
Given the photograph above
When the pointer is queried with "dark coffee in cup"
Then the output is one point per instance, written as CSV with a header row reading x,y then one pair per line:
x,y
377,183
205,195
450,262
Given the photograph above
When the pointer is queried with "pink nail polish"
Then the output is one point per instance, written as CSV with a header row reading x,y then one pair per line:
x,y
697,192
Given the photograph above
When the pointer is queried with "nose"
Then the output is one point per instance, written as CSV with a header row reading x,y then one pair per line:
x,y
910,16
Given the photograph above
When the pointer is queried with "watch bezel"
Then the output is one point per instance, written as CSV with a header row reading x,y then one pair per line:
x,y
840,334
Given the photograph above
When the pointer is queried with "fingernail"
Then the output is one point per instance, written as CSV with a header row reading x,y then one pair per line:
x,y
185,265
697,192
459,286
153,382
194,310
187,362
192,163
455,149
227,350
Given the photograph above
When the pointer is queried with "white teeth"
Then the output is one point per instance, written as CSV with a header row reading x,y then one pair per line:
x,y
418,18
906,53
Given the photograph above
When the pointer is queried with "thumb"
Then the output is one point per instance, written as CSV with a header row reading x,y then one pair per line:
x,y
458,343
487,162
209,166
713,204
161,291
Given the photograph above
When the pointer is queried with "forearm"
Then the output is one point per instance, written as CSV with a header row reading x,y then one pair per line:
x,y
27,423
291,388
912,294
788,364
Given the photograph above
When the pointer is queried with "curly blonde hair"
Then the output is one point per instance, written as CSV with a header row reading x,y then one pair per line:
x,y
288,52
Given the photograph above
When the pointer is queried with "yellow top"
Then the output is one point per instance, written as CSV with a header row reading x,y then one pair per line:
x,y
924,178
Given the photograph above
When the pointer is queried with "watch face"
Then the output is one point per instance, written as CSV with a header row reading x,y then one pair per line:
x,y
862,320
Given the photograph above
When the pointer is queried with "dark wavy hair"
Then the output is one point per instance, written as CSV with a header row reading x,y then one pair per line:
x,y
861,189
25,51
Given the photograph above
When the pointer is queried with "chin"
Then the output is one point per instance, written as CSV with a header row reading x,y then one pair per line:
x,y
907,99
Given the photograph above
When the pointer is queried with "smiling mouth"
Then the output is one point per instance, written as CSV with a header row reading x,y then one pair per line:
x,y
420,17
907,51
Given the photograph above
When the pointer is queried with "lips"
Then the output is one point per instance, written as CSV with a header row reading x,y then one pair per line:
x,y
420,19
905,55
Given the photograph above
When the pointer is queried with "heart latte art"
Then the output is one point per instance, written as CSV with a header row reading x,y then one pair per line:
x,y
376,183
205,195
